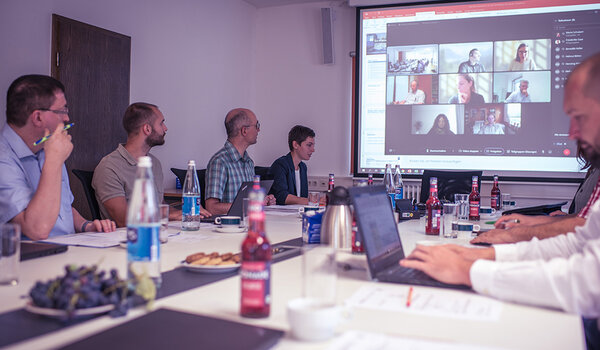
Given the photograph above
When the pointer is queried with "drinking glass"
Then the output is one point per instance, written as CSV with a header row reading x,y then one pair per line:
x,y
10,246
319,273
463,205
164,223
245,211
506,203
450,220
313,199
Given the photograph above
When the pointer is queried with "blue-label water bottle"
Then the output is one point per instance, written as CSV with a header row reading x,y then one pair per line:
x,y
398,184
143,226
190,220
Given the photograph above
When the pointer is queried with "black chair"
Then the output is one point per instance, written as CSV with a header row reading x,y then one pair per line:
x,y
86,181
449,183
263,171
180,173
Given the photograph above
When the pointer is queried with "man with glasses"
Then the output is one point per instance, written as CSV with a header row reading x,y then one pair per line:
x,y
231,165
34,185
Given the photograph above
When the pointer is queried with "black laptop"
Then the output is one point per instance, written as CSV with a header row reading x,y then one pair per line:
x,y
32,250
238,202
377,225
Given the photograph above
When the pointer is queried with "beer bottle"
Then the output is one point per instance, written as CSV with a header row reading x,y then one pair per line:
x,y
474,201
496,203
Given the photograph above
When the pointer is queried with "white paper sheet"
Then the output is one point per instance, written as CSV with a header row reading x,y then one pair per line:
x,y
428,302
91,239
357,340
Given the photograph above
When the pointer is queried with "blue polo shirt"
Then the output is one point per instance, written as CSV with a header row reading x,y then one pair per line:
x,y
20,172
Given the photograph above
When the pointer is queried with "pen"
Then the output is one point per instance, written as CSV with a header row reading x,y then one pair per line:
x,y
409,296
68,126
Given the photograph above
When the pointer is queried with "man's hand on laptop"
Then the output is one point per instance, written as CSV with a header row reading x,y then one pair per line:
x,y
440,262
204,213
496,236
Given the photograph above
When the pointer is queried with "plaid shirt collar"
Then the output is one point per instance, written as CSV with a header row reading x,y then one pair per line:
x,y
234,155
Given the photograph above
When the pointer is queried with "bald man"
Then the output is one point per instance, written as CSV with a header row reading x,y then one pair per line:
x,y
231,165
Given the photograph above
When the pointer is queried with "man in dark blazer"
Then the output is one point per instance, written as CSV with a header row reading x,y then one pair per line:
x,y
290,185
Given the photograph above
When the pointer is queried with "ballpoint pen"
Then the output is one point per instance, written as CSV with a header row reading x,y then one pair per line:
x,y
409,296
68,126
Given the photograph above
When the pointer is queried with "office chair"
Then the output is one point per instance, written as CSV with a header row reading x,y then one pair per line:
x,y
86,181
263,171
449,183
201,173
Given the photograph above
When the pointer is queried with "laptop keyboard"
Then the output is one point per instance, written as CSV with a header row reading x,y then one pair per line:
x,y
412,276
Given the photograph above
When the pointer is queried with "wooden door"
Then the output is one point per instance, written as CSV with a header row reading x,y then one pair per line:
x,y
94,65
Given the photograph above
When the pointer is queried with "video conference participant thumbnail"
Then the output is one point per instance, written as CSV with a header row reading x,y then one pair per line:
x,y
437,120
416,59
469,89
522,55
409,89
494,119
522,87
475,57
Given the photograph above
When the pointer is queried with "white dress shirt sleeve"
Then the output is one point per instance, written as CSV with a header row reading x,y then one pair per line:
x,y
561,272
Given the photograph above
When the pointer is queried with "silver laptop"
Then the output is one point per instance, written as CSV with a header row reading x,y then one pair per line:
x,y
379,231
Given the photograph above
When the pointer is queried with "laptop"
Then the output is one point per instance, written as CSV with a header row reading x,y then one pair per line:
x,y
383,246
238,202
32,250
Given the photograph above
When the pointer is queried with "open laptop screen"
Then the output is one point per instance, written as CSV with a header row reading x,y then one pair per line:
x,y
376,223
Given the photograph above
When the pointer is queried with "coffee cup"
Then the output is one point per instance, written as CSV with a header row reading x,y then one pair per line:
x,y
487,210
313,319
465,229
228,221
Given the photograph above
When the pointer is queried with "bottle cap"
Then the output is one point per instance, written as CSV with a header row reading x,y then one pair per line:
x,y
339,196
145,162
192,162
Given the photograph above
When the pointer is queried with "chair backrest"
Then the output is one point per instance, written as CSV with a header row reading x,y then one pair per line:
x,y
449,183
86,181
263,171
180,173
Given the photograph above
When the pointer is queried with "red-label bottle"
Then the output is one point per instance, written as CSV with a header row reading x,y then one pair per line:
x,y
434,210
474,201
330,187
255,271
496,203
357,244
370,180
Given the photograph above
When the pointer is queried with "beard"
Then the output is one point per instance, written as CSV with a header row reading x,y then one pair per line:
x,y
155,139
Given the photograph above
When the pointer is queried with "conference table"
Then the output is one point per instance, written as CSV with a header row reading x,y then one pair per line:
x,y
514,326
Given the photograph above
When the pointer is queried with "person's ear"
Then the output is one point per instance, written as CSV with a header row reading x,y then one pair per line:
x,y
147,129
295,145
36,118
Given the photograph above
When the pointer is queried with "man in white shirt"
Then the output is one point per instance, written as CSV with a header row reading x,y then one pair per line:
x,y
521,95
561,272
414,96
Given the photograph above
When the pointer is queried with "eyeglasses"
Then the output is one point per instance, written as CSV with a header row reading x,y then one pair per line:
x,y
57,111
257,125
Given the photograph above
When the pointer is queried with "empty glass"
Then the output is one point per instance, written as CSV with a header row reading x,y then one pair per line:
x,y
164,223
10,247
245,211
463,205
314,198
319,273
450,220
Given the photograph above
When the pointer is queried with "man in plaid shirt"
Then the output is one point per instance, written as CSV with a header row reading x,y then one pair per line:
x,y
231,165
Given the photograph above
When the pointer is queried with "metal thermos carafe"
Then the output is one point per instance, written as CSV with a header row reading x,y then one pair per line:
x,y
336,227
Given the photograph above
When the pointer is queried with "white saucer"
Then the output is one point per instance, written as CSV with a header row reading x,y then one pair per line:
x,y
233,229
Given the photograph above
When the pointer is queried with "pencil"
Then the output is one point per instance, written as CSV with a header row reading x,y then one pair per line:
x,y
68,126
409,297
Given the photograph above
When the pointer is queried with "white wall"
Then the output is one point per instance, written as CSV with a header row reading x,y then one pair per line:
x,y
293,86
193,58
